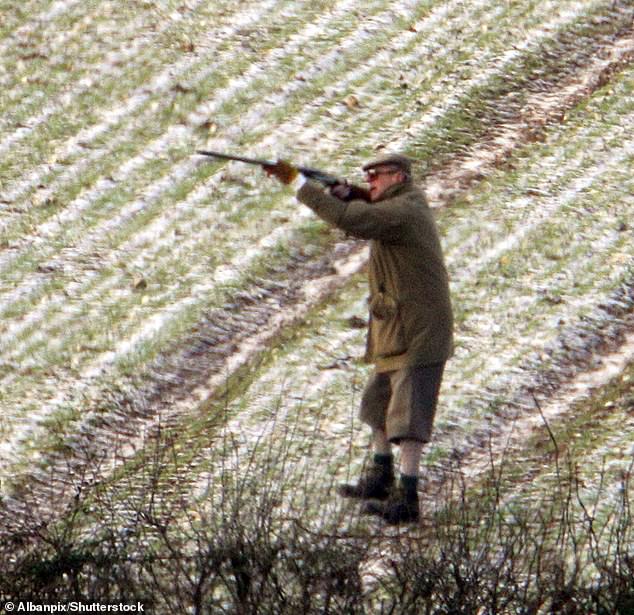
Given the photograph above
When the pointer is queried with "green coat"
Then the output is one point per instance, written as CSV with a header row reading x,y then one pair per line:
x,y
411,321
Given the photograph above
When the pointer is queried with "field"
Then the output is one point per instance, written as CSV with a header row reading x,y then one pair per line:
x,y
181,340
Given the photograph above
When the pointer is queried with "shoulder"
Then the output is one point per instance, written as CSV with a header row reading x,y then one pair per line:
x,y
414,194
411,201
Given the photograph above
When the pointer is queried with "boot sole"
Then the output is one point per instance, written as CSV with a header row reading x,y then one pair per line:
x,y
377,510
348,493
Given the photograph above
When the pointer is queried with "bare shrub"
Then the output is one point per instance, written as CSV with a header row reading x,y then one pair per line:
x,y
244,545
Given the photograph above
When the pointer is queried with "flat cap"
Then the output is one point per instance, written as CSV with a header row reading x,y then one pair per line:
x,y
398,160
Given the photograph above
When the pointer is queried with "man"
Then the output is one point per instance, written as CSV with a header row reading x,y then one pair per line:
x,y
410,328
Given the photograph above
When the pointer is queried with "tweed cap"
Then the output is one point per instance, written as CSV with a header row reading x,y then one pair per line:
x,y
398,160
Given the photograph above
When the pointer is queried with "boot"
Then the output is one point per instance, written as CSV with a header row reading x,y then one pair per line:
x,y
400,507
375,484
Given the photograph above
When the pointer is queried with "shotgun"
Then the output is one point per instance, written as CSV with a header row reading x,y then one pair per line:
x,y
320,176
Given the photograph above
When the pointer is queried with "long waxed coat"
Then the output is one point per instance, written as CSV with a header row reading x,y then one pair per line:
x,y
411,320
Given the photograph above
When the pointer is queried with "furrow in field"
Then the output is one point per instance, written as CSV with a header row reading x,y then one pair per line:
x,y
574,433
527,302
604,243
296,411
141,97
364,69
66,99
193,69
208,63
66,222
124,429
425,99
334,348
521,205
308,393
540,111
45,64
45,21
226,329
155,25
209,108
302,361
547,38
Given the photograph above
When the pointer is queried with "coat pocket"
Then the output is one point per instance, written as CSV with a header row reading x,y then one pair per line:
x,y
388,333
383,306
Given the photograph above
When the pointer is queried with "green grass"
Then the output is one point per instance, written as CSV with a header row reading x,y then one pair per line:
x,y
590,446
106,309
148,178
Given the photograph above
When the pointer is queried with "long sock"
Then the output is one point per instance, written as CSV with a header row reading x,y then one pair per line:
x,y
409,483
411,451
380,442
385,461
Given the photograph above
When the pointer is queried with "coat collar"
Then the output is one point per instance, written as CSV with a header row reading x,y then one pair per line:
x,y
396,190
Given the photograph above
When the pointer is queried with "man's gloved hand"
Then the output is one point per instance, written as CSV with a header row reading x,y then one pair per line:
x,y
341,191
282,170
349,192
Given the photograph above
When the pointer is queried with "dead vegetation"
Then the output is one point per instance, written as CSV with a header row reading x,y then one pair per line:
x,y
124,490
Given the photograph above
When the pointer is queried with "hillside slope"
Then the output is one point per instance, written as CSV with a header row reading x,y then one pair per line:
x,y
151,300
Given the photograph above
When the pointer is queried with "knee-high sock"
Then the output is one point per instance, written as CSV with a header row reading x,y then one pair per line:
x,y
381,444
411,451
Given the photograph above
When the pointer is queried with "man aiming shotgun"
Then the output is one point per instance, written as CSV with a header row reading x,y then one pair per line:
x,y
410,332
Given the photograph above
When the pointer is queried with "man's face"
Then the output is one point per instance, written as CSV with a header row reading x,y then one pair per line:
x,y
381,178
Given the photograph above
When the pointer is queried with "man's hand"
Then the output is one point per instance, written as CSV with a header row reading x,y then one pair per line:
x,y
349,192
341,191
281,170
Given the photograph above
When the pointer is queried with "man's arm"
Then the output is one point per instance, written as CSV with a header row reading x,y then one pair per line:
x,y
356,217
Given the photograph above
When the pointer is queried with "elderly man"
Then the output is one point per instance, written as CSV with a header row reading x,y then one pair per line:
x,y
410,327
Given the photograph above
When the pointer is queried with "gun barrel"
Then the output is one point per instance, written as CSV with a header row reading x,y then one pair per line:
x,y
223,156
316,174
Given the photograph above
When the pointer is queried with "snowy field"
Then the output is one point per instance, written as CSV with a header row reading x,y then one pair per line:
x,y
145,290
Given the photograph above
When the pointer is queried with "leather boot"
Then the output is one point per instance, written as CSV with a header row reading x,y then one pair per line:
x,y
400,507
375,484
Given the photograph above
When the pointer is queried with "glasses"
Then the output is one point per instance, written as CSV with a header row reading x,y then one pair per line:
x,y
372,174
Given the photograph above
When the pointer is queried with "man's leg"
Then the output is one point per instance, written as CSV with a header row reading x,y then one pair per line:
x,y
380,444
379,477
411,452
402,504
409,423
